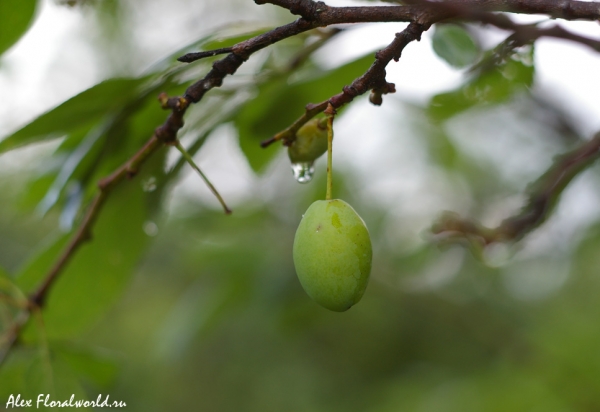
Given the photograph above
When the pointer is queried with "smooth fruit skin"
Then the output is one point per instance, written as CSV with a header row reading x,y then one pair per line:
x,y
310,142
333,254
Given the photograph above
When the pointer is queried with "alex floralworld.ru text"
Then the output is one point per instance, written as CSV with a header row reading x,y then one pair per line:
x,y
45,401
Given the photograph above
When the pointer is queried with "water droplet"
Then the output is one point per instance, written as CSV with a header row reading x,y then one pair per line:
x,y
150,228
149,185
303,171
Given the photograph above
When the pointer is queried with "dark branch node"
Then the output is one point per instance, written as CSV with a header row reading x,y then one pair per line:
x,y
37,300
176,103
167,132
350,91
376,94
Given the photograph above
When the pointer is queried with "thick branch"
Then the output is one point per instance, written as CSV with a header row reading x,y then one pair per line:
x,y
305,8
317,14
425,12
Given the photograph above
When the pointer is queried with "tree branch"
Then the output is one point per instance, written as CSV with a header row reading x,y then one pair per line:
x,y
544,194
316,14
305,8
428,12
83,234
528,33
373,79
190,57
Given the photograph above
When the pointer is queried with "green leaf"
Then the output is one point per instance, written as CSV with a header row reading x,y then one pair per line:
x,y
455,45
73,162
8,289
42,259
98,271
83,109
92,152
15,375
91,365
490,87
29,372
12,304
15,18
278,104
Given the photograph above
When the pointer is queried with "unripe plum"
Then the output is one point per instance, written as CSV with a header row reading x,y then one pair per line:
x,y
332,254
310,142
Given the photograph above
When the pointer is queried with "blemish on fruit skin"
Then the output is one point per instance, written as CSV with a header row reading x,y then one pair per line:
x,y
335,221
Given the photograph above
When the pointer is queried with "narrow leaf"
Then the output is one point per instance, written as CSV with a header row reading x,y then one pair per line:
x,y
15,18
87,107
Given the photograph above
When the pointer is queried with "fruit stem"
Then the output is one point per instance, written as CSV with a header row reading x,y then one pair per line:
x,y
329,157
189,159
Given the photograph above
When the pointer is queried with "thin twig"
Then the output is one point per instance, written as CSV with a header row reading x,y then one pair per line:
x,y
190,160
330,116
527,33
373,79
314,14
544,194
191,57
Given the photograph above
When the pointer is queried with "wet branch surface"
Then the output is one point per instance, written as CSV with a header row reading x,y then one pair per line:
x,y
420,16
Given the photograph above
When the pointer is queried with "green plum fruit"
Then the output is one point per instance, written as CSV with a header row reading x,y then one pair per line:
x,y
332,254
310,142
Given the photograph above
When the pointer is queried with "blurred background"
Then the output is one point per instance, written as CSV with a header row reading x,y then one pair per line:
x,y
175,306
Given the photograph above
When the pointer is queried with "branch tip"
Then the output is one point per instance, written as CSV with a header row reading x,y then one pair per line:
x,y
192,57
268,142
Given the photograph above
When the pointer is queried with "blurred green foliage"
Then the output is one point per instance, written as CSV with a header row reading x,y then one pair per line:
x,y
15,18
455,45
174,306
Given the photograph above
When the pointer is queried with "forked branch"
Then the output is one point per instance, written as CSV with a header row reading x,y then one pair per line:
x,y
543,196
421,15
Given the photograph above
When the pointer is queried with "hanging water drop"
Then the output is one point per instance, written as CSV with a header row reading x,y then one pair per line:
x,y
303,171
